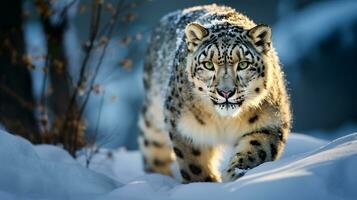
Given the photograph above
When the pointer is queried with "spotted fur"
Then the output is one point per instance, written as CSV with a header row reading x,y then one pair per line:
x,y
212,78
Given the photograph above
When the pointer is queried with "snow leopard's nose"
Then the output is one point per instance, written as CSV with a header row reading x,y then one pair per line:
x,y
226,93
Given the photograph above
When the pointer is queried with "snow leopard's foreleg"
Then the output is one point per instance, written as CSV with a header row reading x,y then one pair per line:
x,y
196,163
154,144
254,149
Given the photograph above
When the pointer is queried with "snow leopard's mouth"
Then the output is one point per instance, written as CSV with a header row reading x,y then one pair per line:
x,y
227,108
227,103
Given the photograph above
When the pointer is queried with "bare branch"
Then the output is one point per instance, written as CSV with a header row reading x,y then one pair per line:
x,y
95,20
109,35
93,147
43,112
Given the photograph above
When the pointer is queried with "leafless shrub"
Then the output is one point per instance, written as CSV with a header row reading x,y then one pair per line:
x,y
63,100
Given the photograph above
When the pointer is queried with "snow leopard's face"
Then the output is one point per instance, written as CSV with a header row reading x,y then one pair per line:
x,y
227,65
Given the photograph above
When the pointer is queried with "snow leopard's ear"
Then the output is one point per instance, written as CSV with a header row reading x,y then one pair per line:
x,y
195,33
261,36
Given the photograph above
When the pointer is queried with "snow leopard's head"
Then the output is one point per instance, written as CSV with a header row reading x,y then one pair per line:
x,y
228,64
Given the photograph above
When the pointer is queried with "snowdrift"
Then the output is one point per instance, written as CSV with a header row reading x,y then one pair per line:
x,y
309,169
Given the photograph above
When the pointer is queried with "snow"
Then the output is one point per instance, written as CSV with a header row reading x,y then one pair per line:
x,y
309,169
347,127
120,164
293,144
24,173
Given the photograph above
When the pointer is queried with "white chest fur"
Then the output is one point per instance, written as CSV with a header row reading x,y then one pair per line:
x,y
215,130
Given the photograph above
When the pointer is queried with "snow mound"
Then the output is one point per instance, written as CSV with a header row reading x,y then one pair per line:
x,y
309,169
24,174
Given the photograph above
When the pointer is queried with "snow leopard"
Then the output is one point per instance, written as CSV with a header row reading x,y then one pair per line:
x,y
212,80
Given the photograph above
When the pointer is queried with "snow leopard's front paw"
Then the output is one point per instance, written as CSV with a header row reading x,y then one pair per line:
x,y
232,174
238,166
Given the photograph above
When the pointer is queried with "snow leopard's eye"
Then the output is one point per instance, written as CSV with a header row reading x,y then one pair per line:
x,y
208,65
242,65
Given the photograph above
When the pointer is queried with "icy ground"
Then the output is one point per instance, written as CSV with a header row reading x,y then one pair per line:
x,y
309,169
